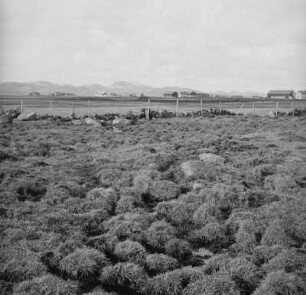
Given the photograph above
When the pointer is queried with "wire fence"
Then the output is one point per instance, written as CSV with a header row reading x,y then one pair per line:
x,y
99,106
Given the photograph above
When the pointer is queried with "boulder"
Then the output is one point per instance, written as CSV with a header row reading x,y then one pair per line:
x,y
272,114
211,158
77,122
93,122
121,122
197,186
28,117
190,168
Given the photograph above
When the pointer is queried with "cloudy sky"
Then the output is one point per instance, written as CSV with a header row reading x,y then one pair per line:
x,y
202,44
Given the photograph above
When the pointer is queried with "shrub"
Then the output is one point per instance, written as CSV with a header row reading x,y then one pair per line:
x,y
172,282
142,184
92,222
257,198
159,263
163,209
68,247
164,190
181,214
165,161
127,274
107,177
159,233
178,249
47,284
211,236
279,183
22,268
31,192
276,235
104,243
205,214
99,291
259,173
216,263
262,254
246,236
288,260
130,251
212,285
125,204
83,263
280,282
107,198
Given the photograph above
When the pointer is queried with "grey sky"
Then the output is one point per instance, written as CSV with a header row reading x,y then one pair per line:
x,y
203,44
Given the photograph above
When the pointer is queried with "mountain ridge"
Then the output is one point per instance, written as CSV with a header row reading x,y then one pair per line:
x,y
119,87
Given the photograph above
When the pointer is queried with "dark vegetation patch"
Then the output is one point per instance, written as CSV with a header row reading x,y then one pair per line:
x,y
85,210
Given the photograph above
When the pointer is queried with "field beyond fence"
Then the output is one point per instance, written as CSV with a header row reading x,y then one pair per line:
x,y
92,105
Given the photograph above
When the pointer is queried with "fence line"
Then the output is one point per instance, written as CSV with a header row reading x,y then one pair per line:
x,y
91,107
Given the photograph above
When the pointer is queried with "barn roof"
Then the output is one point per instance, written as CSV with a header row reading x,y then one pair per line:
x,y
280,92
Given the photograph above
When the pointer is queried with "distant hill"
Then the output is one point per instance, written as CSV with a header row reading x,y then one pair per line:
x,y
238,93
120,87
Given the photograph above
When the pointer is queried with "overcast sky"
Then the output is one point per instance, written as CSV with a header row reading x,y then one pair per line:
x,y
202,44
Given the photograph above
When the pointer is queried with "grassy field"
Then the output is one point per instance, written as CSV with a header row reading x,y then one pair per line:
x,y
179,206
93,105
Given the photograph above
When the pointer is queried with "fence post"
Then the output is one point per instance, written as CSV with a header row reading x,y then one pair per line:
x,y
148,110
292,109
220,106
276,109
177,105
253,106
89,107
240,108
21,106
50,108
201,107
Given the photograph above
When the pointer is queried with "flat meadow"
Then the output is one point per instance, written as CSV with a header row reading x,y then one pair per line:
x,y
178,206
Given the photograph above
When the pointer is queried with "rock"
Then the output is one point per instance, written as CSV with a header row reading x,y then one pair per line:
x,y
77,122
191,168
90,121
121,122
197,186
212,158
272,114
28,117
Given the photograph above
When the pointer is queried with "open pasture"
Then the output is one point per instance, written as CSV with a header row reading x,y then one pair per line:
x,y
175,207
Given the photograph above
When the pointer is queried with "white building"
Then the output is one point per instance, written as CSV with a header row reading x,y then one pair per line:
x,y
300,94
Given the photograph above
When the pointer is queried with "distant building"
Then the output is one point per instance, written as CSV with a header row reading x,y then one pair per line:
x,y
300,94
101,94
193,94
168,94
280,94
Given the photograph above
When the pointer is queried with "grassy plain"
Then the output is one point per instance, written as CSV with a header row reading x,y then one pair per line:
x,y
86,210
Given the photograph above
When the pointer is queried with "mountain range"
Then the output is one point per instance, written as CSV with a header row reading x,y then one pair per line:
x,y
120,87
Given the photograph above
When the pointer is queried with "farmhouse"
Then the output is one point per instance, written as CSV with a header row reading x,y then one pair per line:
x,y
169,94
300,94
280,94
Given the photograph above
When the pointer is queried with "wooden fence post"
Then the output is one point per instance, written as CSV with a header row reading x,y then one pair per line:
x,y
220,106
50,108
253,106
276,109
21,106
292,109
240,109
177,105
201,107
148,110
89,107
